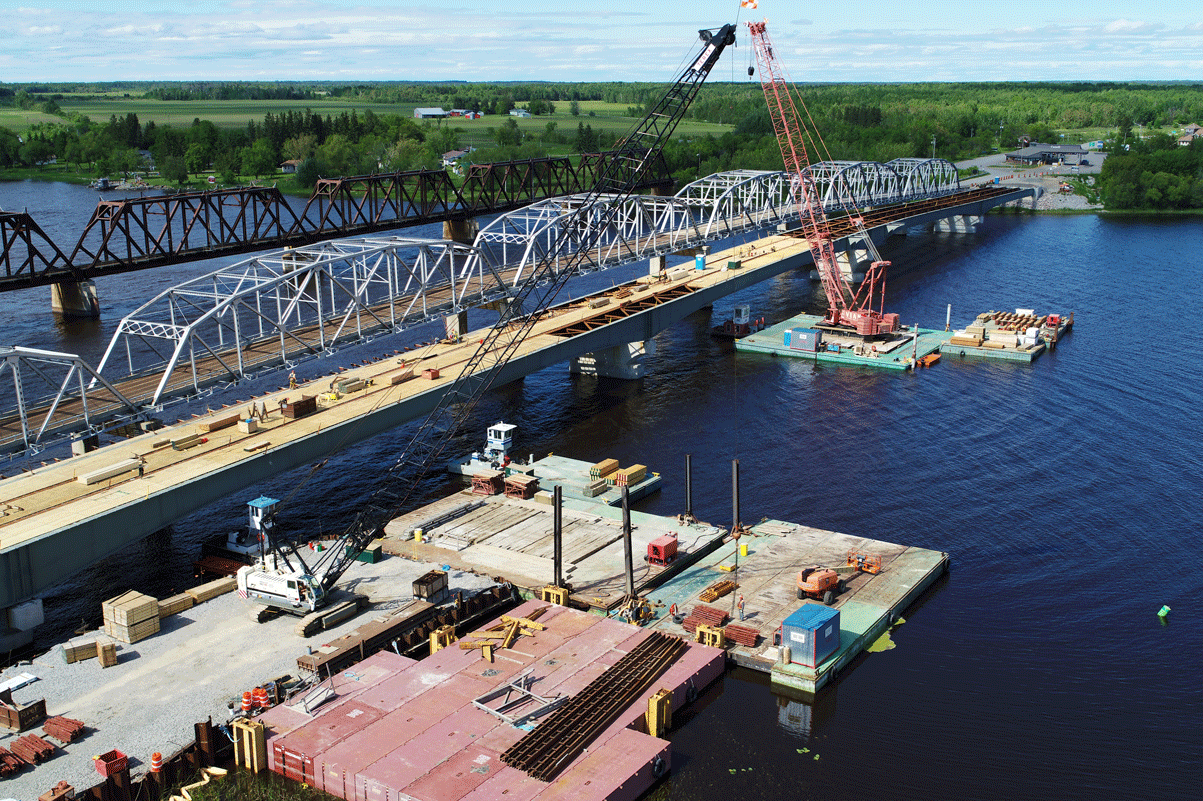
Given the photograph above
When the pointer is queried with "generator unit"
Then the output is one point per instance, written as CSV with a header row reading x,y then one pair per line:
x,y
662,550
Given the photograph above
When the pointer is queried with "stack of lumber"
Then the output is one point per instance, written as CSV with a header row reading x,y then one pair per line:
x,y
972,340
175,604
741,635
503,634
78,652
131,617
65,730
595,488
213,589
603,468
630,476
32,748
10,763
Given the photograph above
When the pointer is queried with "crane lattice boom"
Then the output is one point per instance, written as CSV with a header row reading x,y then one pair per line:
x,y
845,307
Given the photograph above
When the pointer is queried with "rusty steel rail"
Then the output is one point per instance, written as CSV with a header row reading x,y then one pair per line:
x,y
547,750
146,232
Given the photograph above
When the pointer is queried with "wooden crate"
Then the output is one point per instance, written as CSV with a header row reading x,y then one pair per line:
x,y
107,652
18,717
130,609
301,407
213,589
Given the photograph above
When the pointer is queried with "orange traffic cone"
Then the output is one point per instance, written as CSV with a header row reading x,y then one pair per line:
x,y
248,704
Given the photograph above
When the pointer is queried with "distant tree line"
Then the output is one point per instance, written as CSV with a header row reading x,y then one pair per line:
x,y
1153,172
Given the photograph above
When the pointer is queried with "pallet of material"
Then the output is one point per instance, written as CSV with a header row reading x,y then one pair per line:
x,y
603,468
175,604
971,341
402,376
301,407
630,476
717,590
995,344
129,609
709,615
65,730
78,652
488,482
32,748
521,487
741,635
132,634
106,652
184,443
213,589
595,488
218,423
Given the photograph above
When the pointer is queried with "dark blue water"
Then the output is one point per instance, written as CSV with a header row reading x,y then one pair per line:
x,y
1067,493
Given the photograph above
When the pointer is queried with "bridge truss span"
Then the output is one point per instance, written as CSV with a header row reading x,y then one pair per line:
x,y
276,308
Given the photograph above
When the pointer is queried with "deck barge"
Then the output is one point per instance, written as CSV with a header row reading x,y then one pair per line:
x,y
765,574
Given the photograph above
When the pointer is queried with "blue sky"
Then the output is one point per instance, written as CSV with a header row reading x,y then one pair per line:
x,y
565,40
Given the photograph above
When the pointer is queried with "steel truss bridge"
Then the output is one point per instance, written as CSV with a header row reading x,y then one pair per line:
x,y
140,233
293,304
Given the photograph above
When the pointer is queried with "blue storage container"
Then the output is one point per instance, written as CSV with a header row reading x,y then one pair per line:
x,y
812,634
808,339
699,262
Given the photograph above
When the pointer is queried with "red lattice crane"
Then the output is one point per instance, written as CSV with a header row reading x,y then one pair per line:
x,y
846,308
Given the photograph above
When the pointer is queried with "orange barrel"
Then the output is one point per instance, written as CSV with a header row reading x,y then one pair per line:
x,y
156,762
260,698
248,703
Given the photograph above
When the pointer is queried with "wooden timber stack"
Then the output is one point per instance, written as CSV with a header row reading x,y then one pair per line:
x,y
131,617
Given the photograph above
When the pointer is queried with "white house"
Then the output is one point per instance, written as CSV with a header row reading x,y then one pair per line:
x,y
428,113
519,112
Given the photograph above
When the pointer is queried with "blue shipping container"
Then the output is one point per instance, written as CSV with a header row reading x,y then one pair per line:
x,y
807,339
812,633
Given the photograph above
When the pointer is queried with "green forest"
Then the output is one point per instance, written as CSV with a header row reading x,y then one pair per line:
x,y
243,131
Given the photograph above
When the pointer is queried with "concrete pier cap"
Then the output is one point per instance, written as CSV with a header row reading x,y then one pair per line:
x,y
75,300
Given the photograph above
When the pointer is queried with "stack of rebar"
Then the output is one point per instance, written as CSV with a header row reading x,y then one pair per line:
x,y
741,635
544,752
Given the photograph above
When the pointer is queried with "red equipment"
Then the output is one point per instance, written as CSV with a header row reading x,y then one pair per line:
x,y
845,308
662,550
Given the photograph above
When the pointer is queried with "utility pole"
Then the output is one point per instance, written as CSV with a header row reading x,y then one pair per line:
x,y
933,146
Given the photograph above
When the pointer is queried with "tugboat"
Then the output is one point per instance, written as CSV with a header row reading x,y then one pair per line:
x,y
495,456
740,325
242,546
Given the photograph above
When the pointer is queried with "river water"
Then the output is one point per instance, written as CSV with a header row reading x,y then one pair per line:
x,y
1066,492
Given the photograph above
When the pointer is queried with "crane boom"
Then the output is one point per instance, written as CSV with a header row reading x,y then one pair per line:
x,y
845,307
528,303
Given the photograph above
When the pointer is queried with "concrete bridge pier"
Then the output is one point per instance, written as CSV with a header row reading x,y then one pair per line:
x,y
456,325
957,224
17,624
462,231
620,361
75,300
656,265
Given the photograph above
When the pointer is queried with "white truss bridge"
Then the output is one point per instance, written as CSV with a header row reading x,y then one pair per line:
x,y
284,306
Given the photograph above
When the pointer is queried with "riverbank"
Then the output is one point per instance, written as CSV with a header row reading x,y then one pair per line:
x,y
56,173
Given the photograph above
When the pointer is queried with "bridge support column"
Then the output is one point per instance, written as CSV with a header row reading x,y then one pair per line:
x,y
77,300
456,325
17,624
462,231
957,224
620,361
852,262
656,265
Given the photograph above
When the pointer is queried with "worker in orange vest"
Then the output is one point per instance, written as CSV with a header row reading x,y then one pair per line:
x,y
740,607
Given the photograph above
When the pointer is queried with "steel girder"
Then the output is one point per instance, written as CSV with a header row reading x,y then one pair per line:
x,y
855,184
64,401
27,250
276,308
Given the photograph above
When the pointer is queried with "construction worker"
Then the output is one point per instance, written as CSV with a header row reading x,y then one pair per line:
x,y
740,606
292,380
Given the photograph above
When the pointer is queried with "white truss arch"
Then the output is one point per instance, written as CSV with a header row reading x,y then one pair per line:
x,y
855,184
922,178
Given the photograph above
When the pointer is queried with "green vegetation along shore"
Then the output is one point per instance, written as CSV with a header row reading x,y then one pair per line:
x,y
201,135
